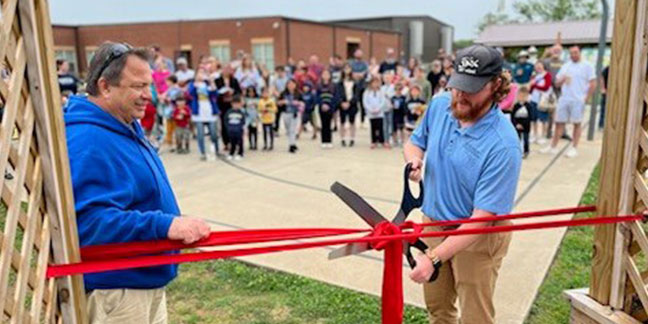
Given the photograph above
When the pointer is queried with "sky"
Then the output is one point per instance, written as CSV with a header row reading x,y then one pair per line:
x,y
463,15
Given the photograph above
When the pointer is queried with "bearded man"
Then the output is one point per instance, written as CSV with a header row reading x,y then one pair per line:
x,y
472,165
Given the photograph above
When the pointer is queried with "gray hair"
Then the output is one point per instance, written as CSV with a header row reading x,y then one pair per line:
x,y
112,73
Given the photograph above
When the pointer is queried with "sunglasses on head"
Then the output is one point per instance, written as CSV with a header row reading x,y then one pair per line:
x,y
117,50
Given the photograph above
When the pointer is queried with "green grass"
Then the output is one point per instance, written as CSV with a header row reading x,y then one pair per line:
x,y
570,269
234,292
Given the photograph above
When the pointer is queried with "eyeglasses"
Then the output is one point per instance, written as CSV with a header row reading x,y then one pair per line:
x,y
117,50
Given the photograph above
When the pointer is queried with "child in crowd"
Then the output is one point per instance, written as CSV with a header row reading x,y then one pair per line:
x,y
268,113
374,102
252,116
415,109
522,115
172,93
235,122
309,97
399,103
182,118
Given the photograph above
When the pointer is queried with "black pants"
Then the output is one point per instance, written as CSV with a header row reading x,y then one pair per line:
x,y
524,136
236,142
277,118
224,131
326,118
268,135
377,131
252,136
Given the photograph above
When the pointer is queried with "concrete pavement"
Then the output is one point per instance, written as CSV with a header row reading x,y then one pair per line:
x,y
278,189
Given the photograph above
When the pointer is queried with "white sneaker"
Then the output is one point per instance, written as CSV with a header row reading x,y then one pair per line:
x,y
549,150
532,139
230,158
238,158
329,145
571,152
323,145
541,141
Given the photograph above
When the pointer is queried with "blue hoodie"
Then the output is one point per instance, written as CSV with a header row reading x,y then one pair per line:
x,y
121,191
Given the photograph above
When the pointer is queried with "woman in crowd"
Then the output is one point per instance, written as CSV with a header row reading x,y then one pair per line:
x,y
204,110
327,100
227,86
292,106
541,89
374,102
247,74
347,106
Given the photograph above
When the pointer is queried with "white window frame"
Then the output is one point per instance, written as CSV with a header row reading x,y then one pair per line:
x,y
221,50
69,54
267,55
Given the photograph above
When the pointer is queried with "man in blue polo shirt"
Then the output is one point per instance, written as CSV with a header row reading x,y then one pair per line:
x,y
472,165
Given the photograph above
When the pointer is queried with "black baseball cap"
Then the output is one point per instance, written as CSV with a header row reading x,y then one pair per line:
x,y
474,67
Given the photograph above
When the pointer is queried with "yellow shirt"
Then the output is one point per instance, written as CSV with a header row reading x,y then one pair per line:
x,y
267,110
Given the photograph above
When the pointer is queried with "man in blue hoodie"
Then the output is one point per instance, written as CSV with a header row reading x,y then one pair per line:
x,y
121,190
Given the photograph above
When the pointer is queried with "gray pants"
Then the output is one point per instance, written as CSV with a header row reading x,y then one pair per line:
x,y
291,122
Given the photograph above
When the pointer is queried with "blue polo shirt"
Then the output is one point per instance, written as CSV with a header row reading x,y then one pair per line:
x,y
467,168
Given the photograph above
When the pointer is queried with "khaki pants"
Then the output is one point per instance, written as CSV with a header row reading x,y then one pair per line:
x,y
139,306
468,277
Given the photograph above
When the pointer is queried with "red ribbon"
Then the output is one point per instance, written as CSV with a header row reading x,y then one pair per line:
x,y
392,284
385,236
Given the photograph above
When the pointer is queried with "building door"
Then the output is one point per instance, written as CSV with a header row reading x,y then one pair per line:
x,y
351,48
183,53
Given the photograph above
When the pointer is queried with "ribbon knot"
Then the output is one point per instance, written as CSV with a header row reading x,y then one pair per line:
x,y
384,228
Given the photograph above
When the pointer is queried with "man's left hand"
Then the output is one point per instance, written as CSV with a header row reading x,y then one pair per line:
x,y
423,270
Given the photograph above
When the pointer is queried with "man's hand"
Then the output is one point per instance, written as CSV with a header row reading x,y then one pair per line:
x,y
417,169
423,270
188,229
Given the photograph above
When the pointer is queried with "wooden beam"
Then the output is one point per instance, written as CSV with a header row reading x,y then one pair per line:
x,y
50,132
590,309
636,136
612,155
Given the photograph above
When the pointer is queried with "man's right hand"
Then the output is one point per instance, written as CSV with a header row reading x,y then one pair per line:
x,y
417,169
188,229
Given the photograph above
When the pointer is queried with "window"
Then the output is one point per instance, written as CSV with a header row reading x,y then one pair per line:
x,y
68,54
220,50
263,52
90,52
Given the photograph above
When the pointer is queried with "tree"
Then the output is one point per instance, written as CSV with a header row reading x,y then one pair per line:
x,y
492,18
558,10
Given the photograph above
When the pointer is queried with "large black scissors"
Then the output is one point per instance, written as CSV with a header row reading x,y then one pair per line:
x,y
373,218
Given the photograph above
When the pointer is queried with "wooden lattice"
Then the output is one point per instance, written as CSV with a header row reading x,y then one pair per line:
x,y
36,210
620,266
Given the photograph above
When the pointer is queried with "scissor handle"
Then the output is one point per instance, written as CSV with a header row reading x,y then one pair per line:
x,y
409,202
421,246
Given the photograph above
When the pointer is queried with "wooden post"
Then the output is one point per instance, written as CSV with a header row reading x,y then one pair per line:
x,y
612,156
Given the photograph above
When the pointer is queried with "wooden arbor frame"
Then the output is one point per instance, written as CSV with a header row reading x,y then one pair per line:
x,y
618,291
37,219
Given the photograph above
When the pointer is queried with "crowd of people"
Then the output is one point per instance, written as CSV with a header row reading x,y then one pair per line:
x,y
241,101
549,93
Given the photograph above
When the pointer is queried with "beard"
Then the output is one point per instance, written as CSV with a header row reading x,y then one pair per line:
x,y
466,111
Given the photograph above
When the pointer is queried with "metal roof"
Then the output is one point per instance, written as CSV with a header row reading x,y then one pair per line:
x,y
527,34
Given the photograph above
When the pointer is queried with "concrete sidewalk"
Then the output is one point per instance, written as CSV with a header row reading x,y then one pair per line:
x,y
278,189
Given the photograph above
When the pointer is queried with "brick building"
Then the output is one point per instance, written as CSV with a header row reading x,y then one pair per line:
x,y
271,40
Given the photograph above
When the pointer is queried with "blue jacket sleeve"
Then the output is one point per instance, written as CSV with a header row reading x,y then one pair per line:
x,y
102,193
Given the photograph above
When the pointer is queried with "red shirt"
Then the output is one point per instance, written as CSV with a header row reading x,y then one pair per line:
x,y
182,116
149,117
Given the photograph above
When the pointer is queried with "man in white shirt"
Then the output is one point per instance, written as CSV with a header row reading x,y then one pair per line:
x,y
184,73
576,80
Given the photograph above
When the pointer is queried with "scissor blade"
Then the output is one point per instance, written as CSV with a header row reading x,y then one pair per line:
x,y
359,205
349,249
